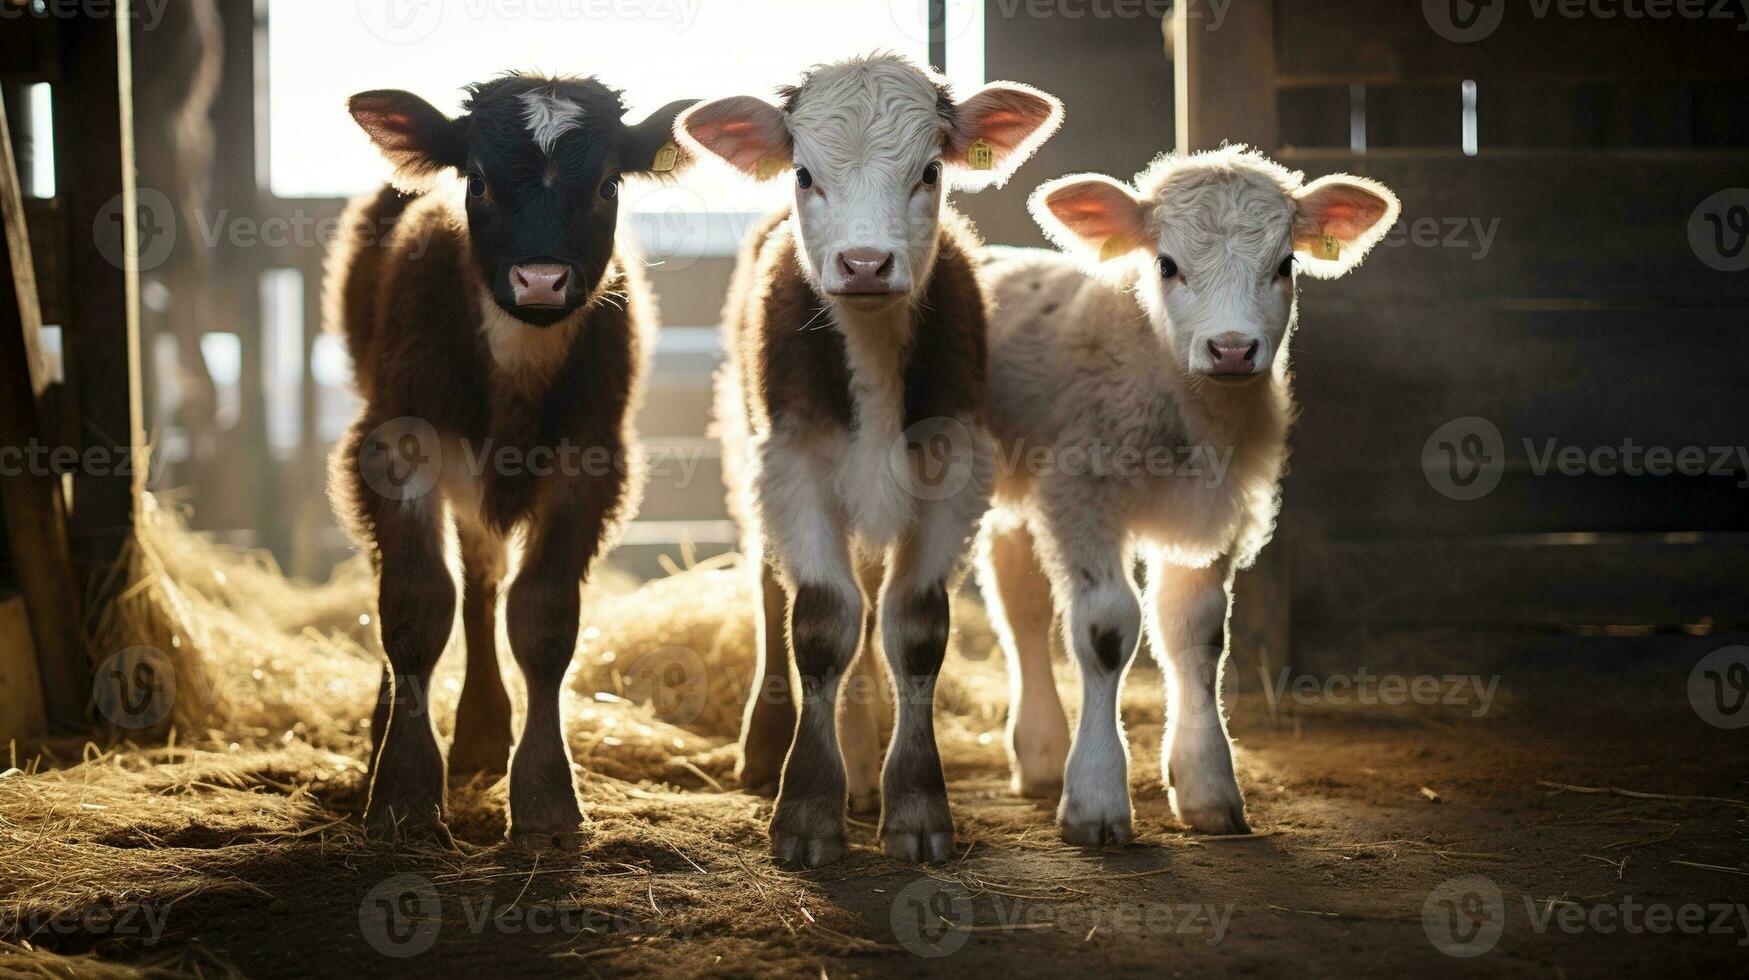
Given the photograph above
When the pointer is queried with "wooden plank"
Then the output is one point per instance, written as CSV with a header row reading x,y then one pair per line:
x,y
28,50
1479,583
1586,378
1509,228
48,250
1414,115
34,512
1313,117
1341,41
1363,503
1225,76
21,693
94,137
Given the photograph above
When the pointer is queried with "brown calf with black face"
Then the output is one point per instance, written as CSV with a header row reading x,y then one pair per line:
x,y
499,333
852,412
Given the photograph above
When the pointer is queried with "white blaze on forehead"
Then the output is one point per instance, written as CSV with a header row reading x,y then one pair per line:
x,y
877,113
549,117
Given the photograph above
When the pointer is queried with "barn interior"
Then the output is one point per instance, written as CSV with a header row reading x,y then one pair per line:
x,y
1489,682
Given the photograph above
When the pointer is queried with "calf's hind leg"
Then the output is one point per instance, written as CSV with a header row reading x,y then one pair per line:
x,y
482,718
1018,596
769,724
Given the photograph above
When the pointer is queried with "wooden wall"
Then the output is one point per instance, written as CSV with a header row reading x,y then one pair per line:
x,y
1552,291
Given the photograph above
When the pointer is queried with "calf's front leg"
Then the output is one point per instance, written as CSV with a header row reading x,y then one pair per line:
x,y
415,610
542,615
1102,625
1189,625
806,534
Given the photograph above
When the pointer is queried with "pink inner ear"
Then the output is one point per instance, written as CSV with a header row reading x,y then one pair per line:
x,y
1001,116
1342,210
1097,211
742,130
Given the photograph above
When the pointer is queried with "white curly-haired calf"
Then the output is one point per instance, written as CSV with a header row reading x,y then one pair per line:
x,y
1140,397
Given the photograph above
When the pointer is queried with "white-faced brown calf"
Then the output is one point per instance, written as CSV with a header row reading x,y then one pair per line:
x,y
499,334
856,329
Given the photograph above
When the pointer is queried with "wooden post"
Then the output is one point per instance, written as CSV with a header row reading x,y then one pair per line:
x,y
94,156
1224,72
35,513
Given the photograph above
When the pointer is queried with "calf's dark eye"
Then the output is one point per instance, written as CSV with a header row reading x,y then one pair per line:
x,y
610,188
1286,268
476,186
932,173
804,180
1168,268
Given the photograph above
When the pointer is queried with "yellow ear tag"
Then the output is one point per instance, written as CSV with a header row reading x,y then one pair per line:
x,y
1327,248
1115,247
979,156
767,168
666,158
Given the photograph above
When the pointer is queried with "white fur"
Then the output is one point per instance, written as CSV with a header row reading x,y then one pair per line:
x,y
549,117
1086,360
866,129
528,355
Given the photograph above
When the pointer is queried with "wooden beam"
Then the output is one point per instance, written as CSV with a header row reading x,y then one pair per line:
x,y
94,144
34,511
1224,73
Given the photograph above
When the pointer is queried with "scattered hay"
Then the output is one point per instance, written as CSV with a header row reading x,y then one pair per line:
x,y
249,785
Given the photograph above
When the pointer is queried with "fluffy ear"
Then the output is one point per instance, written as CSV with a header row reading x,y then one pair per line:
x,y
1353,212
642,150
1011,119
745,132
417,139
1093,214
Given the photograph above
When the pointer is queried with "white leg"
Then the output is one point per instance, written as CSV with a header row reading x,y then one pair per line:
x,y
1101,624
1189,626
1017,594
805,527
915,822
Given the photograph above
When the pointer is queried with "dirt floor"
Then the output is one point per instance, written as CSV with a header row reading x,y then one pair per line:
x,y
1480,834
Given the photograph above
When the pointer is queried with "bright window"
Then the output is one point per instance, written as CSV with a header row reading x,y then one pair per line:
x,y
656,50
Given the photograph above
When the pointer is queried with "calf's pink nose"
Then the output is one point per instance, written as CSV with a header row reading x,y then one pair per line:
x,y
865,270
1233,354
540,284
